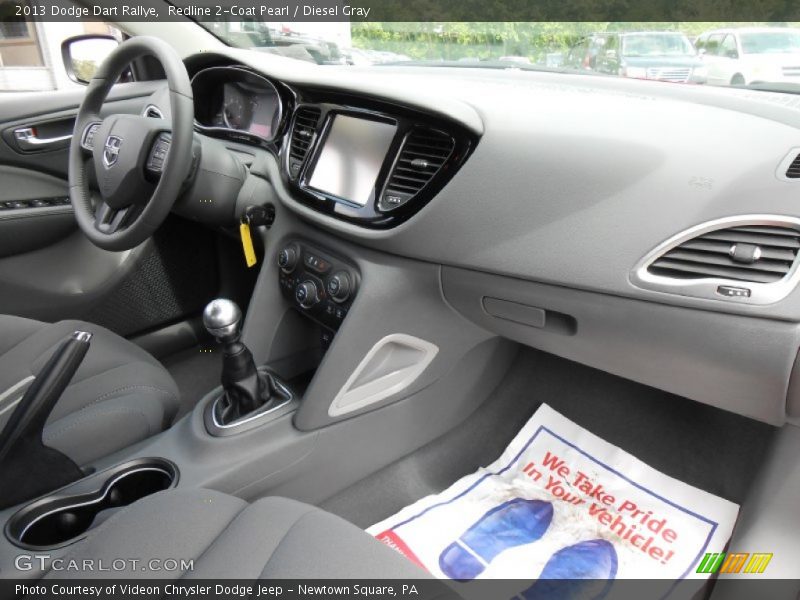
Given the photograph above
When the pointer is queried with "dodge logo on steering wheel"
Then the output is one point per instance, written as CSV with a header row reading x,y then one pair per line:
x,y
111,150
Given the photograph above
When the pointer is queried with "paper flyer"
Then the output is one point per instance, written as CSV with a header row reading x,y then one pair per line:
x,y
561,503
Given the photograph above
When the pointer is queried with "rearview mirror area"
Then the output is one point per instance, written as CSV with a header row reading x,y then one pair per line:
x,y
83,55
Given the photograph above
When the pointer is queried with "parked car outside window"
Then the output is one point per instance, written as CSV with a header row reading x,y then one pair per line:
x,y
660,56
743,56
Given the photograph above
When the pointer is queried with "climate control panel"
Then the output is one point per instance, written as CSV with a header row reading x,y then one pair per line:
x,y
317,283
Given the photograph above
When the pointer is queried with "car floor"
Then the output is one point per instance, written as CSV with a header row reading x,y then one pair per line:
x,y
709,448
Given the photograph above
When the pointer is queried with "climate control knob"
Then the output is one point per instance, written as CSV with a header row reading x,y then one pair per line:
x,y
287,258
306,294
339,286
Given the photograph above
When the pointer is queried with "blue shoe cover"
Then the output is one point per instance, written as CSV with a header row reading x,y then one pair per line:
x,y
584,571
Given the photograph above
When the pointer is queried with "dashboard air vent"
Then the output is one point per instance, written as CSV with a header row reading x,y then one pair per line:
x,y
424,152
305,126
793,172
752,253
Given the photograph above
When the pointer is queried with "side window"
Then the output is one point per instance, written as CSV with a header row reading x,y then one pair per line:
x,y
729,47
713,44
701,42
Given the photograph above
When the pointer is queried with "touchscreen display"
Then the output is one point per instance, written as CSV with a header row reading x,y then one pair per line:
x,y
351,158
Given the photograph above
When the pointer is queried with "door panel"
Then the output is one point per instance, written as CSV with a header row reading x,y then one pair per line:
x,y
55,107
45,220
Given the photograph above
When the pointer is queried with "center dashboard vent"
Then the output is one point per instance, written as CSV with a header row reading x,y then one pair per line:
x,y
151,111
424,152
306,120
750,253
793,171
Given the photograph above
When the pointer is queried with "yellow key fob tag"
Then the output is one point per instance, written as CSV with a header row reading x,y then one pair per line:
x,y
247,244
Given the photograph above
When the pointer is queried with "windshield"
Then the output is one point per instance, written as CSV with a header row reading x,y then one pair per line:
x,y
656,45
771,42
567,47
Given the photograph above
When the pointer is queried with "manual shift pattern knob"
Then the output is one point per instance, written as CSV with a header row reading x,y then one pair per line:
x,y
222,318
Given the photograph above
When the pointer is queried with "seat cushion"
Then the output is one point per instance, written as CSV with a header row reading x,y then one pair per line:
x,y
227,538
119,395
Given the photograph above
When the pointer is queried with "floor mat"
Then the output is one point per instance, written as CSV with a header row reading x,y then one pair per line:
x,y
717,451
196,371
562,503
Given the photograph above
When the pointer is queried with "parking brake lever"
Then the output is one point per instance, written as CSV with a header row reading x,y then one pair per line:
x,y
28,468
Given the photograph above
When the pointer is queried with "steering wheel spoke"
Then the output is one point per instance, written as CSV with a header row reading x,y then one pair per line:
x,y
110,220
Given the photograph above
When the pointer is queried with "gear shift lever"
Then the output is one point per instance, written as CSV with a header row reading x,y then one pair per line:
x,y
245,389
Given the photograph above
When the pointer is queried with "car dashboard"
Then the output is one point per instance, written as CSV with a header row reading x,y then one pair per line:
x,y
605,220
357,159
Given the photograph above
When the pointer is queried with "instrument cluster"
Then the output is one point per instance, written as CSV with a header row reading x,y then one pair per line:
x,y
235,102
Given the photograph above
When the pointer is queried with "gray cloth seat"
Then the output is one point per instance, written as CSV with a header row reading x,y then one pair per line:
x,y
120,394
227,538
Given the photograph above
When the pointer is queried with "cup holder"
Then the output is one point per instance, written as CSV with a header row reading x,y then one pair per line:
x,y
66,515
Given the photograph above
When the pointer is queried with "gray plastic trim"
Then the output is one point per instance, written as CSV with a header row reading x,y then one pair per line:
x,y
740,364
760,293
389,367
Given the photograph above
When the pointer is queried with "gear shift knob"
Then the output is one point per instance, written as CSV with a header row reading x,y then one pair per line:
x,y
222,318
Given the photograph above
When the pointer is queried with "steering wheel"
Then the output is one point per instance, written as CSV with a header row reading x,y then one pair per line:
x,y
140,163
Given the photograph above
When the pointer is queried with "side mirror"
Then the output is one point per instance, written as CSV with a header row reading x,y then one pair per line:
x,y
611,54
82,55
701,51
732,54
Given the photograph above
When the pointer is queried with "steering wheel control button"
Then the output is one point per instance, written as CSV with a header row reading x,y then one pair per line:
x,y
339,286
307,294
158,154
730,291
287,259
88,136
